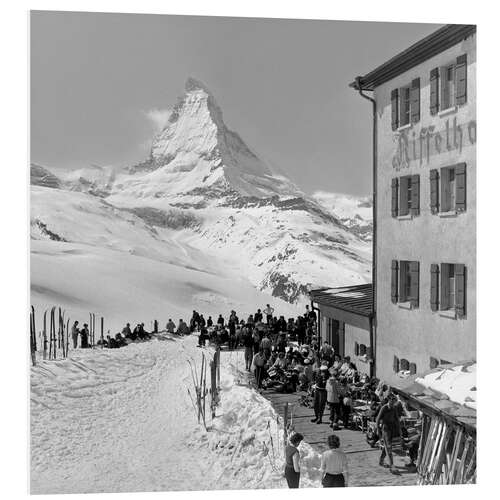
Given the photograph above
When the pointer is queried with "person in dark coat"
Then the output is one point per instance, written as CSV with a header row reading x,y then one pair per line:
x,y
389,428
84,336
292,460
210,322
320,395
220,320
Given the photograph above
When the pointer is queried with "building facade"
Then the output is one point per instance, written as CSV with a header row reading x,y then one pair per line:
x,y
425,192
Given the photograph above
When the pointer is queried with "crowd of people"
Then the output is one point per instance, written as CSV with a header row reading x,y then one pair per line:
x,y
81,336
285,355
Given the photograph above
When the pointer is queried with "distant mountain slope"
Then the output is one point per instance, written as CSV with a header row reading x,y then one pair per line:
x,y
354,212
40,176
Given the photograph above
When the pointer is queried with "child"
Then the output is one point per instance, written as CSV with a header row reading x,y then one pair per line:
x,y
346,409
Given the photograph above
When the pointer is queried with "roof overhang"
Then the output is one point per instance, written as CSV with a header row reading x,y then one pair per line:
x,y
436,42
357,299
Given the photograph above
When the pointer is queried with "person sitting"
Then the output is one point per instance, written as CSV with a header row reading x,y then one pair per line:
x,y
170,326
281,362
183,329
126,332
120,341
345,366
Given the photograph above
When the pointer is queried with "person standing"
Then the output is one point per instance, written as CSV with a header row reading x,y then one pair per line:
x,y
387,423
332,398
259,363
320,395
292,460
334,469
84,336
269,314
248,344
74,334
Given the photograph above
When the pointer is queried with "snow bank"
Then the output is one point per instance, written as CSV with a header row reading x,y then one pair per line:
x,y
247,436
458,383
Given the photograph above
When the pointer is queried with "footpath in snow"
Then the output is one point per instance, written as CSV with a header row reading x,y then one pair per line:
x,y
121,420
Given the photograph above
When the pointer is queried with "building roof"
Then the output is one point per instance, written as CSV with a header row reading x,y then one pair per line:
x,y
436,42
357,299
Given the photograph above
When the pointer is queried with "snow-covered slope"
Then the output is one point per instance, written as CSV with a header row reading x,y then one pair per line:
x,y
88,256
203,198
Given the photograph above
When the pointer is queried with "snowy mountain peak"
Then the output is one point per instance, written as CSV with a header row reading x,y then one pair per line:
x,y
196,154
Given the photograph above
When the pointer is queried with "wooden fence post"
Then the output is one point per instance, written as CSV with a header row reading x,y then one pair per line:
x,y
102,332
217,353
285,427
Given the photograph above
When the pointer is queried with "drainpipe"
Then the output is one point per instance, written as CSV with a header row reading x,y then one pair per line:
x,y
373,322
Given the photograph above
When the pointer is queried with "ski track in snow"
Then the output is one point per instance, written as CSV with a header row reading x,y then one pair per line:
x,y
121,420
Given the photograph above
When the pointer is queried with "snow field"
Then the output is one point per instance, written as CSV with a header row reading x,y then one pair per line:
x,y
121,420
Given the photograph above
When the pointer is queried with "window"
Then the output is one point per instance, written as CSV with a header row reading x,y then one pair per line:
x,y
405,195
448,189
405,277
405,104
448,85
448,282
447,74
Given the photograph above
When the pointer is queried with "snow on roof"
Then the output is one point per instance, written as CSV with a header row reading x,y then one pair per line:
x,y
457,382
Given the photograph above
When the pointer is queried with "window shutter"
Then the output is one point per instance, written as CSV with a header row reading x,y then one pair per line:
x,y
394,189
461,80
356,349
434,91
445,287
403,195
460,289
414,283
369,354
413,368
394,281
434,191
415,194
415,100
445,190
433,362
403,271
434,287
460,183
395,364
395,109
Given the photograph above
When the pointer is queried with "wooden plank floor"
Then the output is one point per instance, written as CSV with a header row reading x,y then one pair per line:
x,y
363,460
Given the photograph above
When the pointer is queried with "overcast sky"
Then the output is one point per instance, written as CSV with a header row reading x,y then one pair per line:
x,y
101,83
